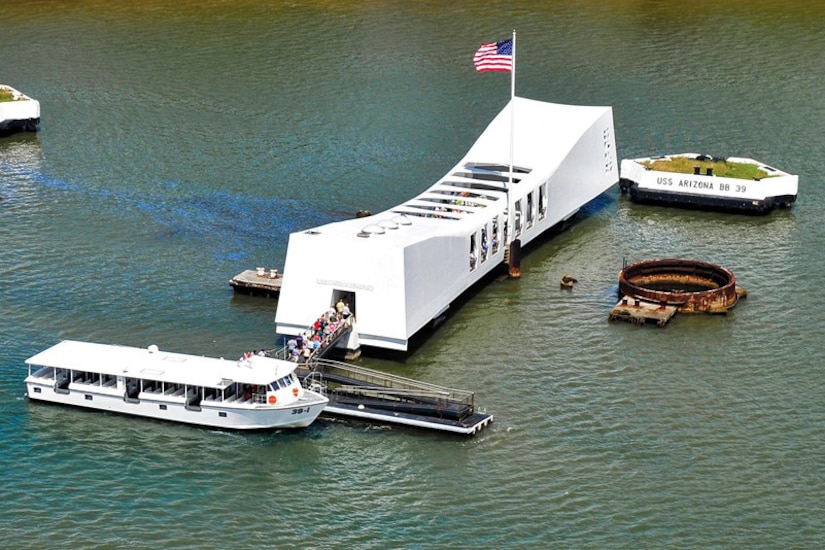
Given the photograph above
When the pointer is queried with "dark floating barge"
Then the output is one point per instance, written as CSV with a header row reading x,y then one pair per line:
x,y
655,290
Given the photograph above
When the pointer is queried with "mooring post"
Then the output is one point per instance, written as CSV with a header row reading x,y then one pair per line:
x,y
514,269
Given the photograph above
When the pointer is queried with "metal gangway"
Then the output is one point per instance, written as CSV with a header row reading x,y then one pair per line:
x,y
328,342
375,396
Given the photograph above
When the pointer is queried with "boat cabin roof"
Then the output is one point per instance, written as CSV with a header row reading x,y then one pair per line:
x,y
152,364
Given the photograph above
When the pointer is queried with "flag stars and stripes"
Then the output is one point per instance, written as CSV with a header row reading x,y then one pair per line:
x,y
497,56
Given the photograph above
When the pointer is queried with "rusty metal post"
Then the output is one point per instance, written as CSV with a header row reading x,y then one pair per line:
x,y
514,269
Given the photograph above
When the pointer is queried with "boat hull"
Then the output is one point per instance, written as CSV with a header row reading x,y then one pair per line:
x,y
241,417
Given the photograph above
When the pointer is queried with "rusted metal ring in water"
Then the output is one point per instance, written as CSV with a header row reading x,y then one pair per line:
x,y
691,285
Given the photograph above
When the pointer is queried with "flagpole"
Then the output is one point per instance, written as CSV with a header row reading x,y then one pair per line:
x,y
510,213
512,107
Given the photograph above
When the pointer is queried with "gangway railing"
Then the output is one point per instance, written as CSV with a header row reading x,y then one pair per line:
x,y
328,342
342,380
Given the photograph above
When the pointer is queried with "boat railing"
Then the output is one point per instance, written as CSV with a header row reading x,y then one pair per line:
x,y
44,372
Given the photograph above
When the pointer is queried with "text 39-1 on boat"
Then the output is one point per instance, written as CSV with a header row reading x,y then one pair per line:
x,y
254,392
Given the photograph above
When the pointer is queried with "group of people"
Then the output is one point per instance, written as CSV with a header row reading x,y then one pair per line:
x,y
320,334
249,354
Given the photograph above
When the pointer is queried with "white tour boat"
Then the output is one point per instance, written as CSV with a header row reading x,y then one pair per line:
x,y
254,392
708,190
20,113
401,269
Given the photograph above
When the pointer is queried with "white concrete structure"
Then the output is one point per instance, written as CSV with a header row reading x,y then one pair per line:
x,y
402,268
253,393
708,190
22,113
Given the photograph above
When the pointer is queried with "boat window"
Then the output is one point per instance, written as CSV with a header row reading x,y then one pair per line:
x,y
61,379
44,372
194,396
473,255
173,389
530,209
81,377
495,235
152,386
282,383
230,392
542,201
484,244
132,387
518,218
258,393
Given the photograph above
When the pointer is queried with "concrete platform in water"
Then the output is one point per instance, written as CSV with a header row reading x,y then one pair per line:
x,y
640,312
18,112
373,396
258,281
657,180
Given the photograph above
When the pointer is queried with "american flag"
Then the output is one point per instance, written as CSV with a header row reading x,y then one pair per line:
x,y
495,57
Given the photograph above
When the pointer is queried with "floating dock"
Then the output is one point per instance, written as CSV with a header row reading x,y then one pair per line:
x,y
640,312
373,396
258,281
